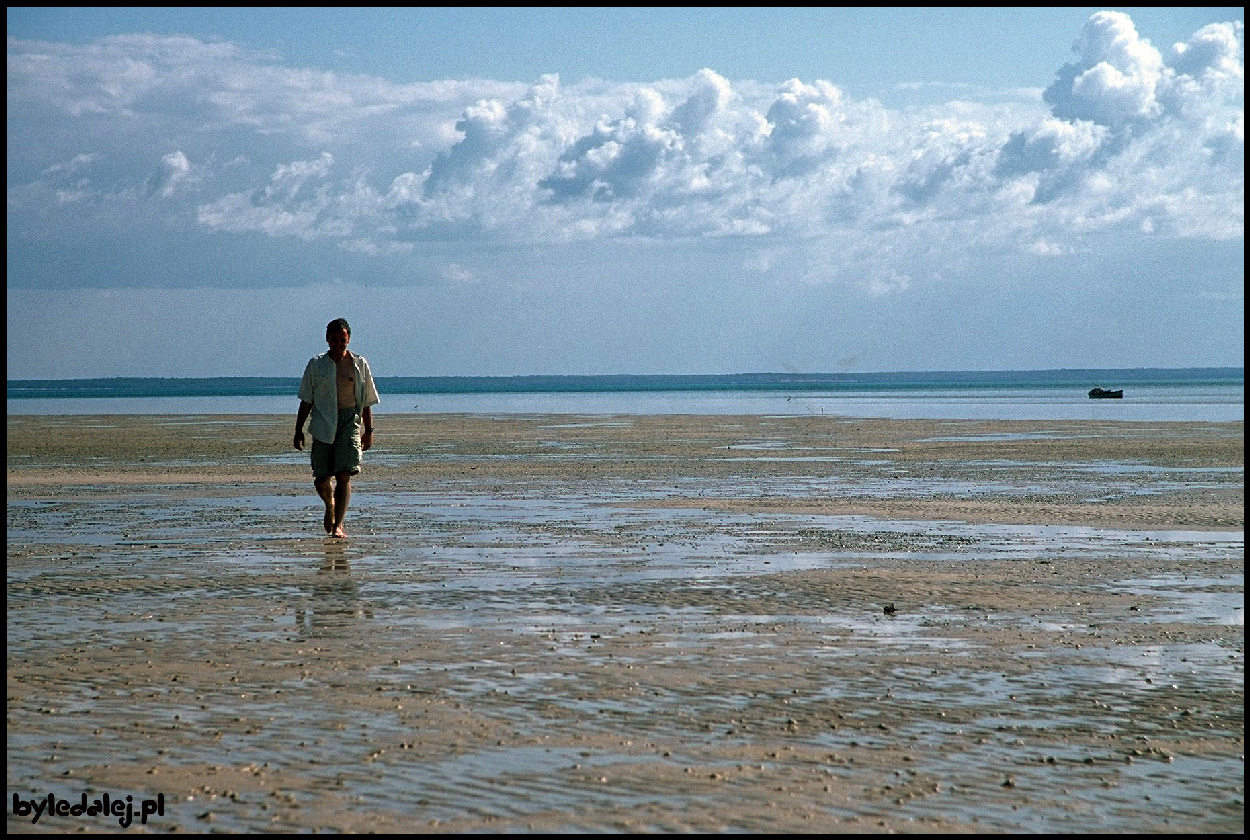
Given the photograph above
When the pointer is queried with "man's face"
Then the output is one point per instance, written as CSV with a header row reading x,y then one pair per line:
x,y
338,341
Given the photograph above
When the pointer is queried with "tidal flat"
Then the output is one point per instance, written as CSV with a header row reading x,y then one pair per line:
x,y
609,623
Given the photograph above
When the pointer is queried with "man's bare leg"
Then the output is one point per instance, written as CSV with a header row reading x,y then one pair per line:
x,y
342,495
325,489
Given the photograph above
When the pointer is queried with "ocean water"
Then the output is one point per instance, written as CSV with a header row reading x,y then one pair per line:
x,y
1151,394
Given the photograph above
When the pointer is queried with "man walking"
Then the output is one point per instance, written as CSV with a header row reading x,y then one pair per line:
x,y
338,392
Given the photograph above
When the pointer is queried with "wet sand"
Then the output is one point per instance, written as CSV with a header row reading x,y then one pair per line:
x,y
625,623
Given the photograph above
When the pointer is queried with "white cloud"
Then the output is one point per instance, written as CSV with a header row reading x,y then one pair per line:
x,y
72,165
289,178
457,273
175,172
237,214
802,127
1120,80
1215,49
1113,82
282,207
1131,140
1043,248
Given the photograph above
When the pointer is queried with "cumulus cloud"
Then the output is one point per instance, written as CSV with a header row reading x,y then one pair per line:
x,y
1115,77
617,158
1215,49
1053,157
803,121
1121,80
712,94
1051,144
1126,136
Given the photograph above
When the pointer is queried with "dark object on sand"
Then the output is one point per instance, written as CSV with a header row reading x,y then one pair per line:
x,y
1104,394
889,609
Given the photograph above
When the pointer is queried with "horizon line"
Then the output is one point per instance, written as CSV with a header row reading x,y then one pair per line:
x,y
931,372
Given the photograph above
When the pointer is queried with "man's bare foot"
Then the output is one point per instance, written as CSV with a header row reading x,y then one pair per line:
x,y
339,532
327,521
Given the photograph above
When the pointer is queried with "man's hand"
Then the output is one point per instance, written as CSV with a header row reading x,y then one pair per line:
x,y
298,442
366,440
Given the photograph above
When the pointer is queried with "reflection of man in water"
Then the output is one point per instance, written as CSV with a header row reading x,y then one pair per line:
x,y
334,602
338,392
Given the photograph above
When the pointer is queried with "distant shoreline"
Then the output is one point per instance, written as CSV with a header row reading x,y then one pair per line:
x,y
115,387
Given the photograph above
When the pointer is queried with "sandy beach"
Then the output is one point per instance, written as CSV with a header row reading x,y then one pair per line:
x,y
629,624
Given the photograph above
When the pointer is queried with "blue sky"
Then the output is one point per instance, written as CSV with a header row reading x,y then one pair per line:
x,y
196,192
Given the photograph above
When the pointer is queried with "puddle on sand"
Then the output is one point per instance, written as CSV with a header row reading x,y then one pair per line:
x,y
1002,436
1194,599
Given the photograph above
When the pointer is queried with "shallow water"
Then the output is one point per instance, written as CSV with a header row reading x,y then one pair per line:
x,y
567,658
1146,403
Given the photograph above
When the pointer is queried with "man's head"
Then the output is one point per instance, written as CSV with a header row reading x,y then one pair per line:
x,y
336,325
338,334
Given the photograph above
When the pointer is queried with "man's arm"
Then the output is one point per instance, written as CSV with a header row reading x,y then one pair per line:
x,y
366,437
305,408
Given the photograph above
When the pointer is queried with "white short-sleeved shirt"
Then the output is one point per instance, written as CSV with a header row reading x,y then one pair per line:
x,y
320,388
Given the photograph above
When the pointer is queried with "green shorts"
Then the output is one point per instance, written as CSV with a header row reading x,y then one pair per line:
x,y
345,454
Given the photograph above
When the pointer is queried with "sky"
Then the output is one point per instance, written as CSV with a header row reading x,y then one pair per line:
x,y
517,191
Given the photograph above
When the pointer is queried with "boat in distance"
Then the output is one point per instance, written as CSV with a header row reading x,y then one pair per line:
x,y
1104,394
